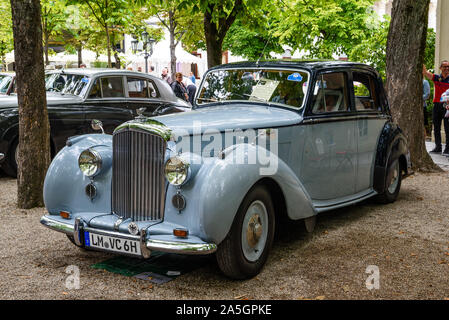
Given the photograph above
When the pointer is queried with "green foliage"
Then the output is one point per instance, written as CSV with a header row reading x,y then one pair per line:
x,y
322,28
6,36
137,25
429,54
372,49
252,38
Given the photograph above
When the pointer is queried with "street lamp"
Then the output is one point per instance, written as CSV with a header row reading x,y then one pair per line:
x,y
146,40
134,45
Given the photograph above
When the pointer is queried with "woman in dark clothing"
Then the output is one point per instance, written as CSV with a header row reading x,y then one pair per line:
x,y
178,87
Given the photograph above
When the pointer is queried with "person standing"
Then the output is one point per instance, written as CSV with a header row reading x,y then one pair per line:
x,y
178,87
192,77
441,82
191,89
165,76
425,97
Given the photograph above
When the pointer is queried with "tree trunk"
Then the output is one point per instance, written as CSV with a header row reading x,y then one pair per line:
x,y
172,45
80,55
215,36
46,36
108,43
34,153
214,46
405,56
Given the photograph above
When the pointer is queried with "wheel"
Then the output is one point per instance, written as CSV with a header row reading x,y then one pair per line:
x,y
10,164
244,251
392,184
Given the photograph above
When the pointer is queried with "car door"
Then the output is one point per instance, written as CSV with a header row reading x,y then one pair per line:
x,y
328,167
366,91
106,101
144,93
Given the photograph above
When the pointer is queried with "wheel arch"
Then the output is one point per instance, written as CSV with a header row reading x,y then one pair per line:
x,y
392,145
277,196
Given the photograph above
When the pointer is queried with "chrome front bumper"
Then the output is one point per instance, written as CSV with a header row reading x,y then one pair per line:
x,y
146,245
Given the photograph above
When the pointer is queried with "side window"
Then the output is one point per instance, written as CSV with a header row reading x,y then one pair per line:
x,y
141,88
154,93
330,93
112,87
95,92
137,88
365,94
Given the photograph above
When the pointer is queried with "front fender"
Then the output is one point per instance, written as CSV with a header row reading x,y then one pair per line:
x,y
64,186
219,187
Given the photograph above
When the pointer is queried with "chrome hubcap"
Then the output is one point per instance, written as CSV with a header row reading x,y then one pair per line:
x,y
16,156
254,231
394,179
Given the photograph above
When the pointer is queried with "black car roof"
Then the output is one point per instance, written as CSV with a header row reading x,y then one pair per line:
x,y
312,65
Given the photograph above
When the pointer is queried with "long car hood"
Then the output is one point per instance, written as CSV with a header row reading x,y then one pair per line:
x,y
52,99
228,117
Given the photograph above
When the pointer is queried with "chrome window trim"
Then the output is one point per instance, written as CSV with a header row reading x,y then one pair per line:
x,y
343,117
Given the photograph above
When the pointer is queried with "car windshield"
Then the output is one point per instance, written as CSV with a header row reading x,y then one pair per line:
x,y
5,81
65,83
283,87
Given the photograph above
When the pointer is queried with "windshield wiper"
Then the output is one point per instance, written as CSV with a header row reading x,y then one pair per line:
x,y
244,95
208,99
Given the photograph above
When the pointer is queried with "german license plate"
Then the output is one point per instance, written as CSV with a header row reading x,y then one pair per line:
x,y
99,241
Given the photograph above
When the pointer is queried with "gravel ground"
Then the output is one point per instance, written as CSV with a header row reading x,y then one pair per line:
x,y
408,241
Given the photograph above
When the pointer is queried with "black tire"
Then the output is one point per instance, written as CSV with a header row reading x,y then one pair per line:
x,y
392,186
10,164
234,260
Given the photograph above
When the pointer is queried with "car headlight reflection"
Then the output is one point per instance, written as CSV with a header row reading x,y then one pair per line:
x,y
177,171
90,162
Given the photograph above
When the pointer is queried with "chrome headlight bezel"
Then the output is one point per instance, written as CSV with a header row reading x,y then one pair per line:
x,y
95,160
177,171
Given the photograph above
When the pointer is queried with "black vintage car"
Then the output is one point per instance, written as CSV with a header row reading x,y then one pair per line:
x,y
76,96
7,83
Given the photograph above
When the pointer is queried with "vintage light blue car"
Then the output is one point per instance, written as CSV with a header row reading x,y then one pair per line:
x,y
264,139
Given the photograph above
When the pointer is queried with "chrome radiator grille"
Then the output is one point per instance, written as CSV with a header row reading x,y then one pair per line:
x,y
138,190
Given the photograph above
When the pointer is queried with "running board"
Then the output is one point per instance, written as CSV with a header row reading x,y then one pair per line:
x,y
326,205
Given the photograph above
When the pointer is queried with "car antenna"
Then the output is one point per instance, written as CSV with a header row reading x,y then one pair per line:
x,y
266,43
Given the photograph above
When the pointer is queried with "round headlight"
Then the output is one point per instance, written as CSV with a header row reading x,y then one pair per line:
x,y
89,162
176,171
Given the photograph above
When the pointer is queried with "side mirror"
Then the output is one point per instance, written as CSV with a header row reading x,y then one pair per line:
x,y
97,125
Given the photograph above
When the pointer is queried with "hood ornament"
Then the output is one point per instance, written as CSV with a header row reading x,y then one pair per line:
x,y
140,113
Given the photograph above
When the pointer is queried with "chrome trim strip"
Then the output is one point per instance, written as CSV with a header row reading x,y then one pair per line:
x,y
66,228
143,248
150,244
77,230
181,247
342,117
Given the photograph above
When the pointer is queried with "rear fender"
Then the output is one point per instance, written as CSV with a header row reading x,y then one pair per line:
x,y
392,146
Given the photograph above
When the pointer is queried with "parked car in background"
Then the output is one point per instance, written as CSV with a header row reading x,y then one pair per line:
x,y
265,140
7,83
76,96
